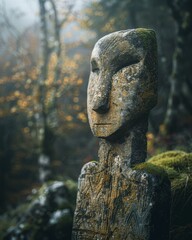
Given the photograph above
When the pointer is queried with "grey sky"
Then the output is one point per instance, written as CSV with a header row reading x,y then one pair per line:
x,y
29,8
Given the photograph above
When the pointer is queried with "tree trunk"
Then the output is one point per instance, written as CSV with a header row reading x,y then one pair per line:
x,y
50,29
180,99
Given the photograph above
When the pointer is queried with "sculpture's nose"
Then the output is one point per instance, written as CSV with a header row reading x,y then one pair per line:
x,y
100,102
101,105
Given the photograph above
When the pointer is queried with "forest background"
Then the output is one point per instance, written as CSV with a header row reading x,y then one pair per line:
x,y
43,79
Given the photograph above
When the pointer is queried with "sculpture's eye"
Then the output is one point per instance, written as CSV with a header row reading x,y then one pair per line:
x,y
94,66
126,63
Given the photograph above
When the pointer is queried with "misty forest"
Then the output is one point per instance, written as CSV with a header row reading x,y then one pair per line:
x,y
45,138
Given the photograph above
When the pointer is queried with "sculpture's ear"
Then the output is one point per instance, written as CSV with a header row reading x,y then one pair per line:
x,y
143,43
149,41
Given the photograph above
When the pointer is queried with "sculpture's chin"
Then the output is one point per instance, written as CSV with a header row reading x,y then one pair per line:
x,y
105,130
103,127
101,131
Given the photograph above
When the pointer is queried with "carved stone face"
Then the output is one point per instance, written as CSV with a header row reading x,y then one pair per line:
x,y
122,83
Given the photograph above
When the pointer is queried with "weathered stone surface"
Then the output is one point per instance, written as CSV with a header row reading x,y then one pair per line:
x,y
122,84
116,201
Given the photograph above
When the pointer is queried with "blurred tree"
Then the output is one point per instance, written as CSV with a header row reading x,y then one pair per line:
x,y
53,69
108,16
40,96
16,63
179,110
6,152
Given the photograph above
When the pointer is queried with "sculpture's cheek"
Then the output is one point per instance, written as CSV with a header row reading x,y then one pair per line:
x,y
131,97
122,109
104,125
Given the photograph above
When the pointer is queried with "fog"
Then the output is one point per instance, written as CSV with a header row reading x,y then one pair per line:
x,y
22,12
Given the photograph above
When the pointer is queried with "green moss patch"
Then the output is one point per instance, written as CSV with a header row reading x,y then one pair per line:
x,y
146,35
178,165
151,169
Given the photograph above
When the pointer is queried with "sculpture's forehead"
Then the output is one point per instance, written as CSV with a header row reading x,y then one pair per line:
x,y
115,44
110,43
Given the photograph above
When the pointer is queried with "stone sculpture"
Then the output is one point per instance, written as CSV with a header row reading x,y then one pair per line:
x,y
115,199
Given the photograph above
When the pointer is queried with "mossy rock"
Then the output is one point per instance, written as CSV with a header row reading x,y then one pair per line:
x,y
178,166
47,215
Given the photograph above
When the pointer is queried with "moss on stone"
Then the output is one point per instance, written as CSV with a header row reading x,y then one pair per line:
x,y
151,169
146,35
178,165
